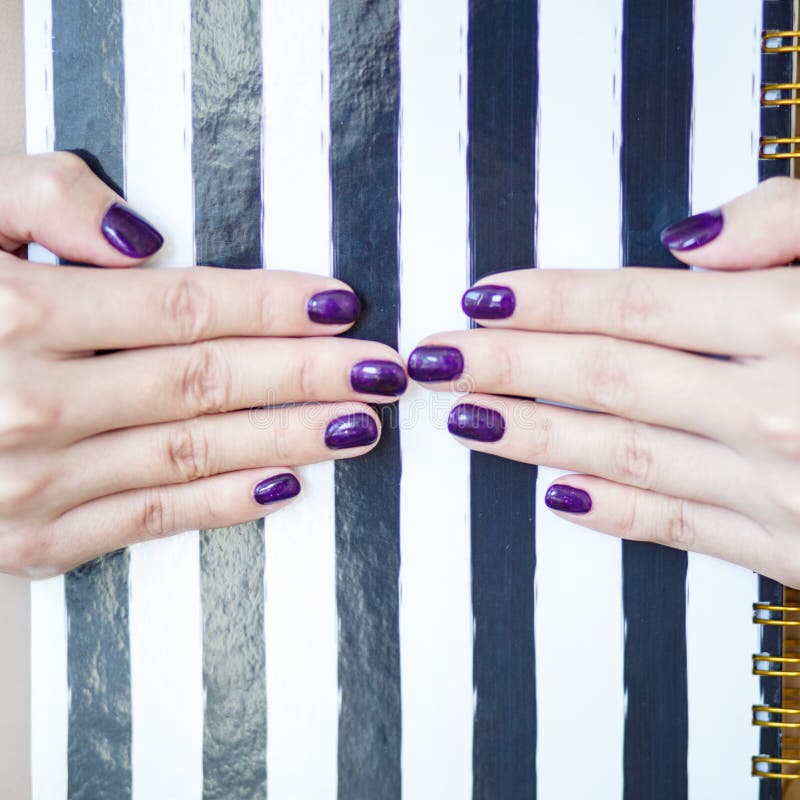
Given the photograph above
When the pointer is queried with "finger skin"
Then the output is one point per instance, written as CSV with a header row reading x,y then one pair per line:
x,y
140,515
732,314
641,515
173,453
140,387
760,229
86,309
632,453
55,200
629,379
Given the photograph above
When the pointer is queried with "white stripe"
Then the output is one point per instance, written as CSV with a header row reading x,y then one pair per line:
x,y
164,582
435,596
300,610
578,617
720,635
49,689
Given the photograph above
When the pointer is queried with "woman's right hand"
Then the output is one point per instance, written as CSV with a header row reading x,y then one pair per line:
x,y
184,424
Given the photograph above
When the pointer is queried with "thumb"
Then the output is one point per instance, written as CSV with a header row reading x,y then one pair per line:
x,y
57,201
758,229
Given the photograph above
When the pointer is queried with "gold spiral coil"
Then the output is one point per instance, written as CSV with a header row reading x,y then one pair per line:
x,y
777,95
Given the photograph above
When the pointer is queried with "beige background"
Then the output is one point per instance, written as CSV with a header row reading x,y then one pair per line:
x,y
14,597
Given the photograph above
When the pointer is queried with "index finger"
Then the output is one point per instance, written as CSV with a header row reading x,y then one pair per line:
x,y
724,313
89,309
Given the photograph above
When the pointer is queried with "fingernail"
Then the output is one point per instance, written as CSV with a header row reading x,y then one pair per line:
x,y
378,377
476,422
278,487
488,302
352,430
426,364
129,233
567,498
693,232
336,307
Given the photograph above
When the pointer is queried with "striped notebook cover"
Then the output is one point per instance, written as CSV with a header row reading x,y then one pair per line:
x,y
418,625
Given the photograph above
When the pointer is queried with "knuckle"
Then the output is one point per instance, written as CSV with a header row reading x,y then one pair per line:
x,y
22,418
305,376
606,379
25,553
635,309
283,447
785,322
57,175
507,368
188,453
540,441
156,514
20,311
205,381
189,310
678,529
632,457
17,494
781,431
555,304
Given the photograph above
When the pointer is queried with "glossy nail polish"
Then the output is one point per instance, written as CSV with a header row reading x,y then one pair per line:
x,y
378,377
335,307
488,302
276,488
428,364
693,232
567,498
476,422
352,430
129,233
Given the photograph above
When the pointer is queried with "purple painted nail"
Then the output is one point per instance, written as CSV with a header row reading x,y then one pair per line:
x,y
488,302
352,430
567,498
336,307
129,233
693,232
476,422
427,364
278,487
378,377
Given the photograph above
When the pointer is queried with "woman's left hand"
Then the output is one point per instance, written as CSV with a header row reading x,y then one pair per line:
x,y
674,446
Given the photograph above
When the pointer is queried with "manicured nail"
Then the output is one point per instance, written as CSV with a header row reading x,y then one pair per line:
x,y
129,233
476,422
488,302
352,430
427,364
693,232
567,498
378,377
278,487
336,307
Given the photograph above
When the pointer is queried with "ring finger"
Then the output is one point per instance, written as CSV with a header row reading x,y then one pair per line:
x,y
633,453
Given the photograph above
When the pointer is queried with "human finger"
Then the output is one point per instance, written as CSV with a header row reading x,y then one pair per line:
x,y
642,515
629,379
180,452
758,229
120,520
83,309
139,387
55,200
633,453
732,314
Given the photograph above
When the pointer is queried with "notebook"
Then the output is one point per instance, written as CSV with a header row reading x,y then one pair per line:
x,y
418,625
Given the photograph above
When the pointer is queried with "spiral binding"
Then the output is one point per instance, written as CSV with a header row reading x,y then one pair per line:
x,y
774,95
786,717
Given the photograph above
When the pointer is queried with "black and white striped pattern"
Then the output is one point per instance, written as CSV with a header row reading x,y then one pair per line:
x,y
418,624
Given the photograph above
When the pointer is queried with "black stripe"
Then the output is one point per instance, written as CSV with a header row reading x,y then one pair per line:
x,y
656,124
88,94
364,65
775,121
226,162
502,108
